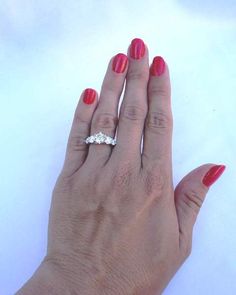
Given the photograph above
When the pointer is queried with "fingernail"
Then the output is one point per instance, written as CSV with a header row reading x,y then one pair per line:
x,y
119,63
137,49
213,174
158,66
89,96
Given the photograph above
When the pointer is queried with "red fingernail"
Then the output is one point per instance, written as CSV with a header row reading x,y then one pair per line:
x,y
119,63
89,96
158,66
137,49
213,174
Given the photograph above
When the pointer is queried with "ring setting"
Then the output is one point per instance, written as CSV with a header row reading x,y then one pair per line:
x,y
99,138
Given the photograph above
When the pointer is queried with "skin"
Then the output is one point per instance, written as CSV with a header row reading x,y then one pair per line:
x,y
117,225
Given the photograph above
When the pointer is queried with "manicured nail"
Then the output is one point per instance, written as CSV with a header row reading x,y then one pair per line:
x,y
89,96
158,66
137,49
119,63
213,174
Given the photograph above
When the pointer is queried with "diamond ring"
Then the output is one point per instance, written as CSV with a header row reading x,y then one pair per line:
x,y
99,138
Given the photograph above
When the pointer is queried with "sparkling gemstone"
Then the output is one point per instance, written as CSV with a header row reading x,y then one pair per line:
x,y
100,138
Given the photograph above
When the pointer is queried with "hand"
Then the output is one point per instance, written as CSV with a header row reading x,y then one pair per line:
x,y
117,226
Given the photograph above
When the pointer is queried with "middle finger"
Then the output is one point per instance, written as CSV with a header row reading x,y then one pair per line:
x,y
134,105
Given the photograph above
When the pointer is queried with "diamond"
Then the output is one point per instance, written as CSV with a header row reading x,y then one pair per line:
x,y
100,138
108,140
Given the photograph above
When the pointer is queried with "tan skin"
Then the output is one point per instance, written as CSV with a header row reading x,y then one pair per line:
x,y
117,225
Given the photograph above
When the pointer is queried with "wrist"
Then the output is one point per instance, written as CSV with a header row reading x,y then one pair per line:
x,y
44,281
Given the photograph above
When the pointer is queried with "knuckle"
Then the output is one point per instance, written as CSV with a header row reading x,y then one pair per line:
x,y
77,143
158,121
192,200
109,86
137,75
82,123
105,121
133,113
76,139
161,91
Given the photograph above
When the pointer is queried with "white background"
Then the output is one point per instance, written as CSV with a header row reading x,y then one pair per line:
x,y
50,51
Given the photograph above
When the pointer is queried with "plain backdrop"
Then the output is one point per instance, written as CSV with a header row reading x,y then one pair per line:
x,y
50,51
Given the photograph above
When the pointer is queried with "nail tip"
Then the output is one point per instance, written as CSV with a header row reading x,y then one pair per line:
x,y
158,57
121,54
137,40
221,167
213,174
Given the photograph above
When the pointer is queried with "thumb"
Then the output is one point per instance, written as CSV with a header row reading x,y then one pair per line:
x,y
189,196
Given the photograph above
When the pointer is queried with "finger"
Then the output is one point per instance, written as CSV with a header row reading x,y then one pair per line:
x,y
158,123
134,105
77,149
106,115
189,196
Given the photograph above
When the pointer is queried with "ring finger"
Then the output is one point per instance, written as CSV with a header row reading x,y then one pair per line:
x,y
106,114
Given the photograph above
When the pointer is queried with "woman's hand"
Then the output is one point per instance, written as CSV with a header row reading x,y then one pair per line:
x,y
117,225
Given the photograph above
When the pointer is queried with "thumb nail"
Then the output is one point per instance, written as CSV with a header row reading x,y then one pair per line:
x,y
213,174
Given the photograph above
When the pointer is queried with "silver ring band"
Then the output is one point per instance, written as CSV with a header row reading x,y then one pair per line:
x,y
99,138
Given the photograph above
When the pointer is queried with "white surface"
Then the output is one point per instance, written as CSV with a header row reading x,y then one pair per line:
x,y
50,51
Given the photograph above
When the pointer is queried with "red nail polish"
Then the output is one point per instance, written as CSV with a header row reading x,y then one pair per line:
x,y
119,63
89,96
137,49
213,174
158,66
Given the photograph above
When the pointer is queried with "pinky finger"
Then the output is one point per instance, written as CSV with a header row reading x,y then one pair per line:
x,y
77,149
